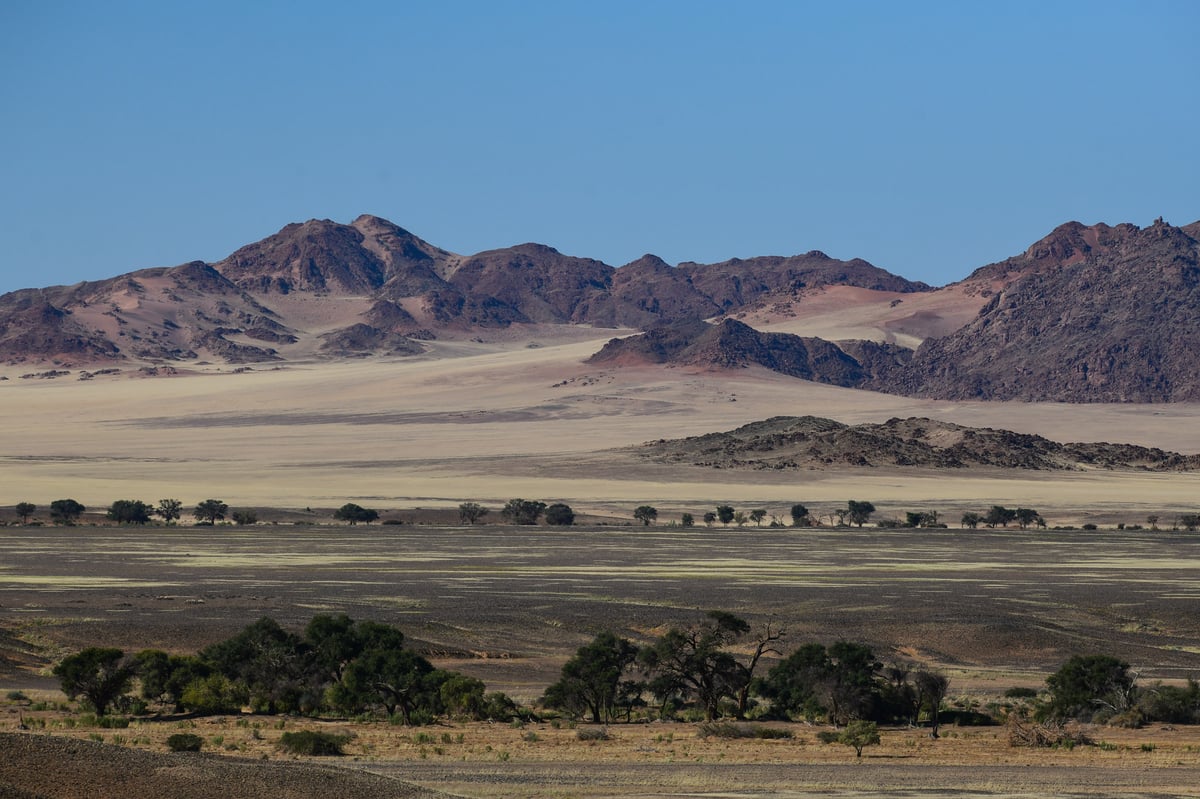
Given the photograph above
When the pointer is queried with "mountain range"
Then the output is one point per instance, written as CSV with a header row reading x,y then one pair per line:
x,y
1086,314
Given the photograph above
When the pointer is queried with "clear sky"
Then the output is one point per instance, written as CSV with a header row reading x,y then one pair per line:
x,y
929,138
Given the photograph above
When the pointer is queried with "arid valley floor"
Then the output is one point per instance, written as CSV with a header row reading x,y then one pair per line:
x,y
524,417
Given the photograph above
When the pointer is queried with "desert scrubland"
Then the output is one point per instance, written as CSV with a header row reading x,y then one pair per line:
x,y
526,417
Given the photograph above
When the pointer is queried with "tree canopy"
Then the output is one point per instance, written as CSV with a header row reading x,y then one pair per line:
x,y
591,682
471,512
25,510
1087,685
859,512
169,510
560,515
694,662
523,511
65,511
353,514
646,514
210,511
101,675
129,511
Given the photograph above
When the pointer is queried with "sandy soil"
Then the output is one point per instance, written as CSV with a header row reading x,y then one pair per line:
x,y
514,418
539,760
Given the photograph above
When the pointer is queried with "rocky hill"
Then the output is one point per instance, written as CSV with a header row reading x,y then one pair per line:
x,y
1086,314
1093,314
730,344
809,442
242,308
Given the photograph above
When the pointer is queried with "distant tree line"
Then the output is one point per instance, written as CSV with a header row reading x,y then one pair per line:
x,y
525,512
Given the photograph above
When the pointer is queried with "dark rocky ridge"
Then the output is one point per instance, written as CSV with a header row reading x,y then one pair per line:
x,y
810,442
1093,315
731,344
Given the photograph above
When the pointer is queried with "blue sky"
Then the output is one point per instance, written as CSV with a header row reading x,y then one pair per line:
x,y
929,138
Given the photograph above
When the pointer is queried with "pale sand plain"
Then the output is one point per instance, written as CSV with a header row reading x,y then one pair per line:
x,y
521,417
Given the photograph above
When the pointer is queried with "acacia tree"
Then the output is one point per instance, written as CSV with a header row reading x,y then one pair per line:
x,y
523,511
560,515
209,511
25,510
694,663
971,519
65,511
859,512
355,513
270,665
999,515
591,681
646,514
471,512
799,515
398,680
1026,517
129,511
101,675
725,514
757,515
710,517
1087,685
169,510
244,517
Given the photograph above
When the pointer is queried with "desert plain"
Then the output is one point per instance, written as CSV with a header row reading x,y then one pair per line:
x,y
523,415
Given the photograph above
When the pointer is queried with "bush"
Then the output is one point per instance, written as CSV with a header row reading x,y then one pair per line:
x,y
591,734
185,742
310,742
725,729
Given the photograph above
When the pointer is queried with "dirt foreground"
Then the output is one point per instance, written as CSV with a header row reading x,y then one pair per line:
x,y
655,760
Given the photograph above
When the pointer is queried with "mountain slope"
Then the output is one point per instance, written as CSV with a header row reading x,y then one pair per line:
x,y
1097,315
367,285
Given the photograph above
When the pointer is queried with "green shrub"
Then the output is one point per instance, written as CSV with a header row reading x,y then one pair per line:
x,y
185,742
310,742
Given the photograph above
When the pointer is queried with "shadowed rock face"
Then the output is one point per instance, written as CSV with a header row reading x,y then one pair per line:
x,y
731,344
1098,315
